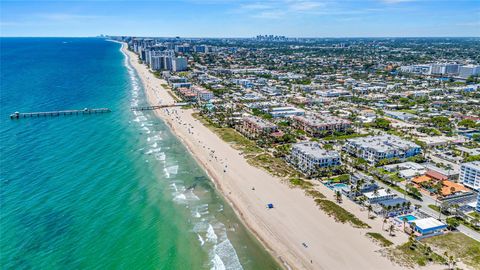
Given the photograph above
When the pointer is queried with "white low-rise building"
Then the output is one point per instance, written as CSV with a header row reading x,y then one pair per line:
x,y
379,195
308,157
376,148
470,175
286,112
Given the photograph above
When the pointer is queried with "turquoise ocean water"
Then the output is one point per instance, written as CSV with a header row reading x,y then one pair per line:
x,y
112,191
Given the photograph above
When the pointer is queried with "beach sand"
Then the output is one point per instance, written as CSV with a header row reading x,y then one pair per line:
x,y
296,219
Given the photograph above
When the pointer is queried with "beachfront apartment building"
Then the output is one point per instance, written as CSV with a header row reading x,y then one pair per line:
x,y
194,93
166,60
186,94
308,157
179,64
470,175
316,125
203,94
254,127
376,148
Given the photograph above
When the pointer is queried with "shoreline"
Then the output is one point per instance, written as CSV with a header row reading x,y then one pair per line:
x,y
219,188
282,230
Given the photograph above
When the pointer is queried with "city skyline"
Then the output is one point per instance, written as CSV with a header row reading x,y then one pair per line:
x,y
195,18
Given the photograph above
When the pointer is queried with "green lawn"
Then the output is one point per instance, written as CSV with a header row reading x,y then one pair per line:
x,y
434,207
340,179
459,245
377,237
300,183
475,215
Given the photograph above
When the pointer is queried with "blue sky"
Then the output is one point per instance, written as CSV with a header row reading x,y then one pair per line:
x,y
241,18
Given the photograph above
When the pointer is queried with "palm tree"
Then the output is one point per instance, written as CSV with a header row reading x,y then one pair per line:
x,y
361,201
451,262
412,226
413,241
369,209
338,196
408,204
391,230
476,222
389,208
405,220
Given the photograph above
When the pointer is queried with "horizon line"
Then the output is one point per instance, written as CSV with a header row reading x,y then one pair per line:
x,y
250,37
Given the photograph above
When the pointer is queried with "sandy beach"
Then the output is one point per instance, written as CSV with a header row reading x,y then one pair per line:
x,y
295,220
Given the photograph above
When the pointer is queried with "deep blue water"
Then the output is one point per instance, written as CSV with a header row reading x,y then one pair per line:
x,y
102,191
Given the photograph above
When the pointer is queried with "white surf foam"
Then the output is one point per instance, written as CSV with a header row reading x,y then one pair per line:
x,y
160,156
202,242
180,198
226,252
211,236
217,263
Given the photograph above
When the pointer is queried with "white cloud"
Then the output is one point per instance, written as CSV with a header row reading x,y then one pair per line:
x,y
305,5
270,14
255,6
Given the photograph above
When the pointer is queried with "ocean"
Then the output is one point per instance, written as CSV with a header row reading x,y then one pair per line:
x,y
109,191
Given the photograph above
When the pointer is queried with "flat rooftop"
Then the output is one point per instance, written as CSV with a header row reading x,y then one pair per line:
x,y
314,150
318,120
428,223
383,143
472,165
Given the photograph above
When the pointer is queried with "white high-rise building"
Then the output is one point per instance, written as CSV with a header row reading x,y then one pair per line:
x,y
469,70
161,60
445,68
452,69
470,175
180,64
438,69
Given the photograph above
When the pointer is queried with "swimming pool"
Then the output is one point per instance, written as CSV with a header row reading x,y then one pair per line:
x,y
341,185
409,218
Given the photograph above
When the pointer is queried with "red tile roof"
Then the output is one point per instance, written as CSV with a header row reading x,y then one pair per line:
x,y
436,175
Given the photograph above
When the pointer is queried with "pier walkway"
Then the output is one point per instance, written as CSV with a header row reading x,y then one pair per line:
x,y
18,115
156,107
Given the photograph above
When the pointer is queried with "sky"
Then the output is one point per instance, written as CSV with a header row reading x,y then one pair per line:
x,y
241,18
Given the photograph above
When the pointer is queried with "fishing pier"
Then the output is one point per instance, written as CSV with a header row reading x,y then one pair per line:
x,y
157,107
18,115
